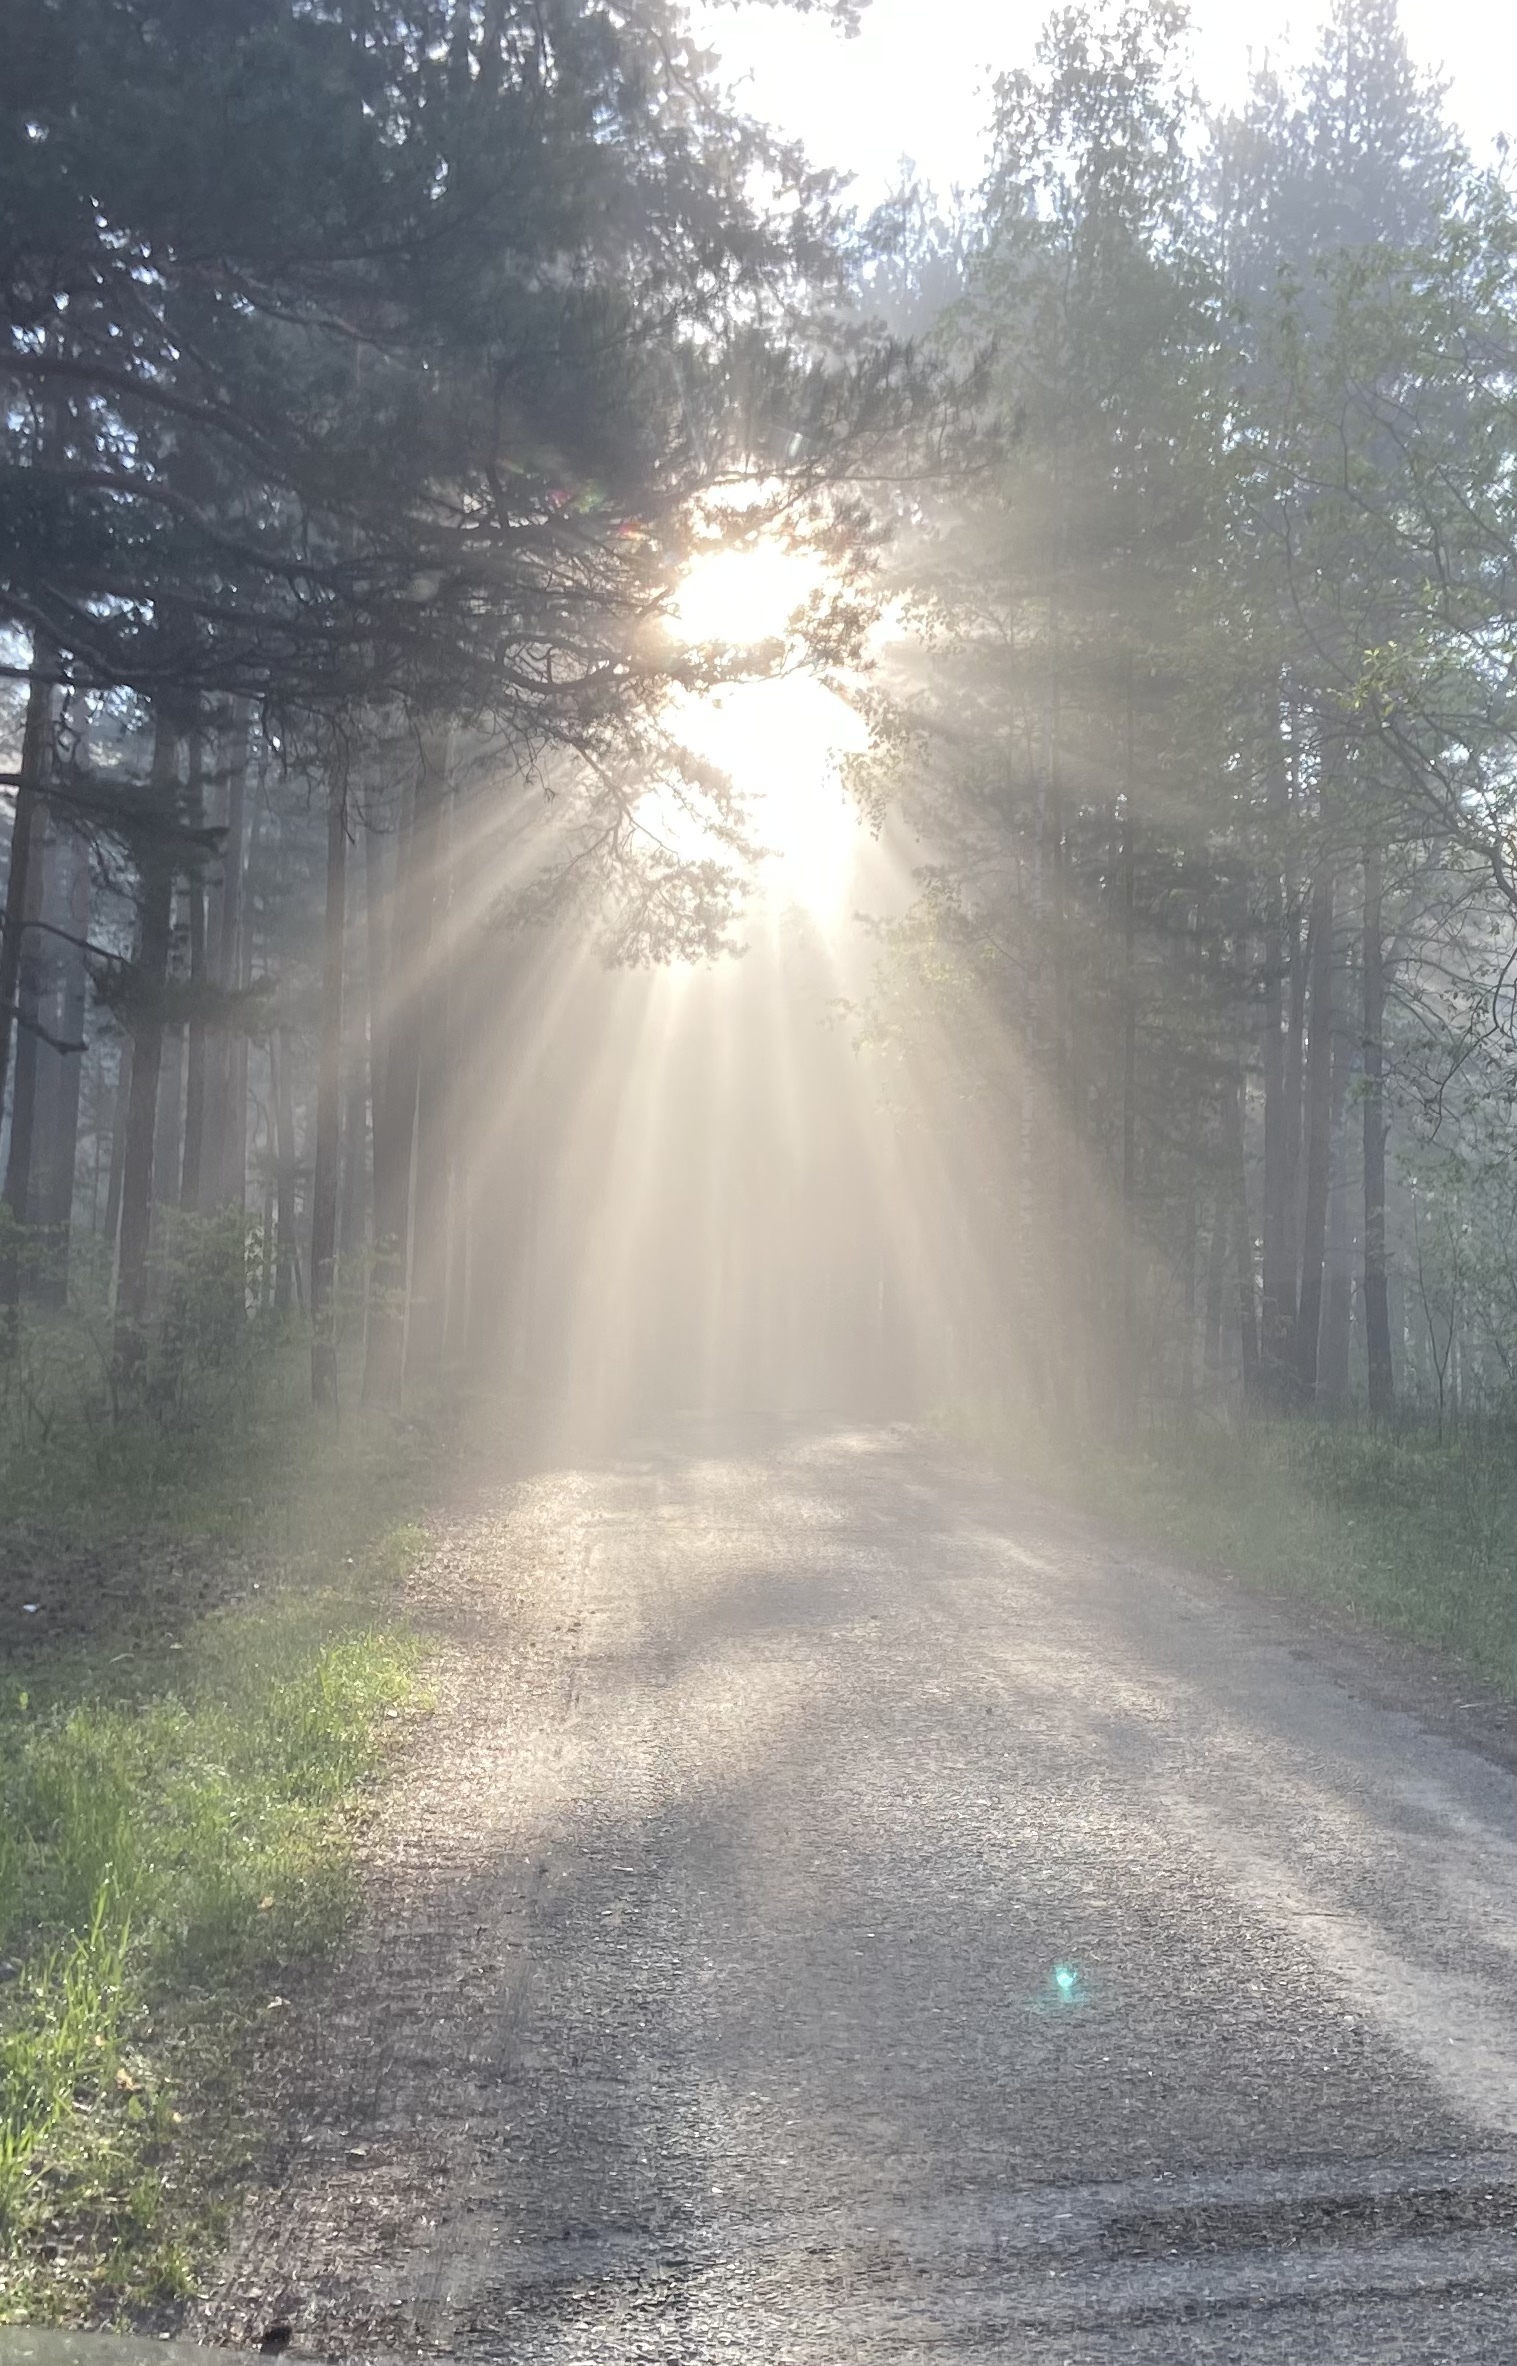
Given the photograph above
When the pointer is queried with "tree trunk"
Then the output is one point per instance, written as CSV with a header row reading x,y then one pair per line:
x,y
195,1048
1216,1262
468,1021
21,983
36,748
1243,1244
1068,1339
218,958
1319,1136
237,970
154,931
427,1325
1338,1304
329,1095
1377,1326
1273,1335
352,1210
1130,1087
1297,968
393,1102
287,1250
120,1101
168,1145
355,1143
1188,1283
1279,1293
103,1100
270,1246
405,1007
67,901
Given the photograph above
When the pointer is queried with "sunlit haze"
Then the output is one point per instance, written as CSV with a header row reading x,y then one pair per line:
x,y
914,84
778,739
745,596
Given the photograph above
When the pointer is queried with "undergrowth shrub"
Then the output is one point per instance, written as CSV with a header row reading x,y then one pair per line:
x,y
186,1848
183,1767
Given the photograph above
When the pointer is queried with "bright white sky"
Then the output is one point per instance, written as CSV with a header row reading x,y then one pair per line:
x,y
914,82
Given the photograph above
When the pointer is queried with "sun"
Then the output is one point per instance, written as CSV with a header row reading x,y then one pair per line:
x,y
779,736
744,599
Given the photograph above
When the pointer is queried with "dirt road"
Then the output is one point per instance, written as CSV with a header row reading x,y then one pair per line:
x,y
840,1912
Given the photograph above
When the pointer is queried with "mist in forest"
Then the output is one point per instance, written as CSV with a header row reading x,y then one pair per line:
x,y
637,784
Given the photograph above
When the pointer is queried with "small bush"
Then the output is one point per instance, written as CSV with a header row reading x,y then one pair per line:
x,y
180,1766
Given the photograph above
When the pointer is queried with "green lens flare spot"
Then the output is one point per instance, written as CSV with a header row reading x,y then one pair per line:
x,y
1066,1979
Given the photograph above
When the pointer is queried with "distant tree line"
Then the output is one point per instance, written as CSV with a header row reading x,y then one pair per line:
x,y
368,374
361,367
1208,725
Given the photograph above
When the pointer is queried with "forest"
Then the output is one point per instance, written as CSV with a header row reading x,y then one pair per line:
x,y
357,437
637,794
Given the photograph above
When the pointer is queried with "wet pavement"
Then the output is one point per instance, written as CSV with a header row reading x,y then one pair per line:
x,y
844,1910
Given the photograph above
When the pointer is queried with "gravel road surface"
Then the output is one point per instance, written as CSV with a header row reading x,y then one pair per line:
x,y
842,1910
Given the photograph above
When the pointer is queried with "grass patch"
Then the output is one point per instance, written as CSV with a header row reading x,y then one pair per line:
x,y
1412,1537
179,1802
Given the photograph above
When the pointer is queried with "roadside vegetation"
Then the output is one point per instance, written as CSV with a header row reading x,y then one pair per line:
x,y
204,1664
1413,1536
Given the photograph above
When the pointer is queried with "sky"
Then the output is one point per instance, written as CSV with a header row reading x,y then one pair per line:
x,y
914,81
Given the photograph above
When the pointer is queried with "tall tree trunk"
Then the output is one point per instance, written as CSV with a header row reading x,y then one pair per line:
x,y
393,1103
1242,1231
1319,1135
155,914
1333,1377
236,968
329,1094
1130,1082
120,1101
355,1144
1377,1325
270,1259
404,1004
195,1046
1297,966
47,1113
1279,1283
427,1326
287,1247
104,1102
1216,1265
1067,1341
352,1214
22,977
68,908
1188,1281
168,1143
26,846
218,958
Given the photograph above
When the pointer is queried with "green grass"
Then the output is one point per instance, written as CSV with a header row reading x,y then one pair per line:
x,y
179,1803
1408,1536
